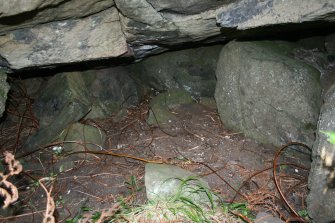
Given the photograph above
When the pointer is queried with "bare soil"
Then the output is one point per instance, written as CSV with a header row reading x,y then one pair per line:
x,y
195,140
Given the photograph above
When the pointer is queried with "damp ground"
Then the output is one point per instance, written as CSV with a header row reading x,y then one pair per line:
x,y
237,168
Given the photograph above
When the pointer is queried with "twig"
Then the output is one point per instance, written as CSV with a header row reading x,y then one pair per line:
x,y
276,180
245,218
115,154
50,209
8,190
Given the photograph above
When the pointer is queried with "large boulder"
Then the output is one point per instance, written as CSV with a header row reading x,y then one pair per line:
x,y
321,198
111,89
150,26
70,96
192,70
266,94
63,100
17,14
63,42
51,32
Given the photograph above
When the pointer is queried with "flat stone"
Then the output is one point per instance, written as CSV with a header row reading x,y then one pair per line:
x,y
163,181
95,37
18,14
248,14
161,105
152,22
263,217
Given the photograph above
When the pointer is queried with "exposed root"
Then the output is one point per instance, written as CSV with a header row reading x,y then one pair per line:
x,y
9,191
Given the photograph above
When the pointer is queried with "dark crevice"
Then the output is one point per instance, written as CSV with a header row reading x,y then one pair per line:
x,y
289,32
80,66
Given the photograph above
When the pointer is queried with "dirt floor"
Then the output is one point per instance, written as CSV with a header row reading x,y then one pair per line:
x,y
237,168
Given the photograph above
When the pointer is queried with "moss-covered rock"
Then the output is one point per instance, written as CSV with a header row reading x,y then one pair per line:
x,y
111,89
80,137
63,101
267,94
162,104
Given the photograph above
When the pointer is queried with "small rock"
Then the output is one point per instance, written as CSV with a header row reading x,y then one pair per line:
x,y
163,181
162,104
263,217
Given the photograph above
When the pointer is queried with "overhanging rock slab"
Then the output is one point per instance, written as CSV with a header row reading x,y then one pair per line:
x,y
248,14
96,37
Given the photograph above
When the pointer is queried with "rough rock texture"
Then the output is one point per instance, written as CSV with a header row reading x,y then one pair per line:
x,y
62,42
70,96
266,94
192,70
161,105
316,52
149,24
91,136
248,14
17,14
47,33
330,45
4,88
186,7
111,89
63,101
321,199
60,90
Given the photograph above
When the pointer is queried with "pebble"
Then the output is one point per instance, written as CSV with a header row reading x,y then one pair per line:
x,y
263,217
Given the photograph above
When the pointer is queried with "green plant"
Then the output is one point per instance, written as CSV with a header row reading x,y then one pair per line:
x,y
180,207
78,216
303,213
330,135
132,185
96,216
192,202
60,201
242,208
